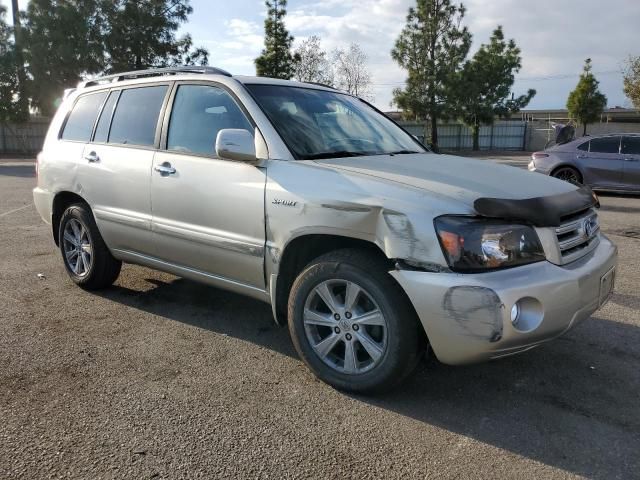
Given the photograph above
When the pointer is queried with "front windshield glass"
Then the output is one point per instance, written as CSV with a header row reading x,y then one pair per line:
x,y
322,124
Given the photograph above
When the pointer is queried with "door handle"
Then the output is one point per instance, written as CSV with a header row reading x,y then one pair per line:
x,y
630,159
92,157
165,169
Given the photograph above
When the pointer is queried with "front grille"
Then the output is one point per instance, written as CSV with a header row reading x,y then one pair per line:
x,y
577,235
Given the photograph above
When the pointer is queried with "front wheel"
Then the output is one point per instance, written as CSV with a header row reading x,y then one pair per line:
x,y
352,324
86,258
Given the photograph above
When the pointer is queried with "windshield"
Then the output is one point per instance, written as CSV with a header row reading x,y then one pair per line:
x,y
321,124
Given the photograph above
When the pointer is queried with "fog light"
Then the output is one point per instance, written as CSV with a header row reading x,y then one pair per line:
x,y
515,314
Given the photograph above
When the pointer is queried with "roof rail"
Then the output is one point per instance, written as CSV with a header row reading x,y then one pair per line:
x,y
153,72
322,85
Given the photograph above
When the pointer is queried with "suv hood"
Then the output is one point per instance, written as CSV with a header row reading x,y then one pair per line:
x,y
458,178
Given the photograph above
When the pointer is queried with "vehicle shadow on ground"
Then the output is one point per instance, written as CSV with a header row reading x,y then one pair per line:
x,y
570,404
209,308
22,171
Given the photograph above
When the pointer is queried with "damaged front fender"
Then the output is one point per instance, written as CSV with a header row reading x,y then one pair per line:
x,y
303,198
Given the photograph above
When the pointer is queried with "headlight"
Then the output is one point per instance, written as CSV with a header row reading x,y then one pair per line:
x,y
474,245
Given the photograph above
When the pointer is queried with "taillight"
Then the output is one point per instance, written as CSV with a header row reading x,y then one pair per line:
x,y
538,155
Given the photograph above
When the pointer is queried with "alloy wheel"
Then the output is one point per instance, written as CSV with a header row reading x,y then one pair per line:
x,y
77,247
568,175
345,327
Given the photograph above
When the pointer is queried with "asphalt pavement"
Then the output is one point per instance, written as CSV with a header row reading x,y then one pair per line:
x,y
159,377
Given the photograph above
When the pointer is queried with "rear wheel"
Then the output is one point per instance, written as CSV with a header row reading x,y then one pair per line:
x,y
86,258
568,174
352,324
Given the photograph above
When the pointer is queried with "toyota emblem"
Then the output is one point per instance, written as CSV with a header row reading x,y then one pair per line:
x,y
590,226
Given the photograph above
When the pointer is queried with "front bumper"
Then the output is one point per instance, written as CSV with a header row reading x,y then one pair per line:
x,y
467,317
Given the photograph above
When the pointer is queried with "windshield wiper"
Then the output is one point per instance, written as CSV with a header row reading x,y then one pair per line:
x,y
402,152
336,154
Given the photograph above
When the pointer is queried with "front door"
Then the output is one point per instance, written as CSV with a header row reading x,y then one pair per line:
x,y
208,213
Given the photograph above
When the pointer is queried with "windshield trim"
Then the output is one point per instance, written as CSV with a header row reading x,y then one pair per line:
x,y
324,88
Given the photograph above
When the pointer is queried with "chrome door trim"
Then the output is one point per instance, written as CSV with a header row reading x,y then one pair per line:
x,y
192,274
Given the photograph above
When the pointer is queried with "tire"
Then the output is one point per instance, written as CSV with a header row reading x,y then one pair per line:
x,y
394,330
81,244
568,174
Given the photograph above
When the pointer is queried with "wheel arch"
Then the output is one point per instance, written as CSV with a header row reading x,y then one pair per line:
x,y
299,252
60,203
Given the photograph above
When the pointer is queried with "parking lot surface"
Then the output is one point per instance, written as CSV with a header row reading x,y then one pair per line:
x,y
159,377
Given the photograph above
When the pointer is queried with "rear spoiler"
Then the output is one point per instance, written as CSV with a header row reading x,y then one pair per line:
x,y
540,211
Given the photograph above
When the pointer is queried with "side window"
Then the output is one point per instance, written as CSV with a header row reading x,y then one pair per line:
x,y
605,145
136,116
631,145
584,147
80,122
199,112
102,129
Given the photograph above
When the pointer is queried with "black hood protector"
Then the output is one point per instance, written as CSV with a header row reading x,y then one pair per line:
x,y
539,211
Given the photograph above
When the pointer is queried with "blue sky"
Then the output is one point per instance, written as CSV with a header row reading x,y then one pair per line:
x,y
555,37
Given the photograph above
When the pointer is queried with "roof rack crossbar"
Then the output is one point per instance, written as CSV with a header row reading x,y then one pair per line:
x,y
153,72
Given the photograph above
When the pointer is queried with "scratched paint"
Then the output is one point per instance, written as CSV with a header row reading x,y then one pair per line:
x,y
476,311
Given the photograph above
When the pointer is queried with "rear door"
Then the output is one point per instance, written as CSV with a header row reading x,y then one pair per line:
x,y
602,165
115,172
631,156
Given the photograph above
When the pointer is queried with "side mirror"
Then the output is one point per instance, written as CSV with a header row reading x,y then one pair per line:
x,y
236,144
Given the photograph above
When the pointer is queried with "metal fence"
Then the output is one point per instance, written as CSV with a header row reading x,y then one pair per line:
x,y
27,138
23,139
504,135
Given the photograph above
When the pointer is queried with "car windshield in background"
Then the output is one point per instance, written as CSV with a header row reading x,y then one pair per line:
x,y
322,124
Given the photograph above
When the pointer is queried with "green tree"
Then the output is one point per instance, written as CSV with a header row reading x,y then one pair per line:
x,y
141,34
586,103
276,59
68,40
62,40
431,48
485,83
13,107
632,80
23,98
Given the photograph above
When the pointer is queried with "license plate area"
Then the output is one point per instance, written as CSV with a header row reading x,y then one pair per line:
x,y
607,282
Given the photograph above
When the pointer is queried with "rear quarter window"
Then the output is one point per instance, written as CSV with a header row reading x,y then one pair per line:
x,y
102,129
79,124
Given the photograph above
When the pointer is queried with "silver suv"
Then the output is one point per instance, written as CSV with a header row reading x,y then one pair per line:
x,y
368,245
